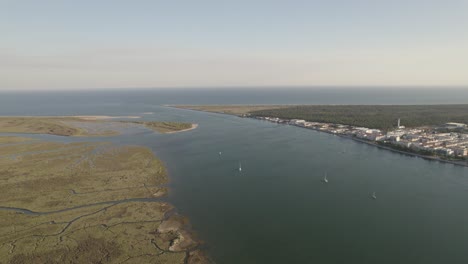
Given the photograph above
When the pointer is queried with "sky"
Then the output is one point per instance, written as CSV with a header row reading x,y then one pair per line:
x,y
86,44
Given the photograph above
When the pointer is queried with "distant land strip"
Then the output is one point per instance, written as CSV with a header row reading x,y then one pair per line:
x,y
83,125
382,117
165,127
238,110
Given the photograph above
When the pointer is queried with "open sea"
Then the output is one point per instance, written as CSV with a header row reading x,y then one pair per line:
x,y
277,210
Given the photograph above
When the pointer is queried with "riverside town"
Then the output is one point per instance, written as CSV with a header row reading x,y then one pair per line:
x,y
447,141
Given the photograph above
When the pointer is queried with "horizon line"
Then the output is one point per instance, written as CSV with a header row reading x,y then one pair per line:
x,y
209,87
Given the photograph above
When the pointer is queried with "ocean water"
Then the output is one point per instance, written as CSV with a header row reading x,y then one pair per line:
x,y
277,210
132,100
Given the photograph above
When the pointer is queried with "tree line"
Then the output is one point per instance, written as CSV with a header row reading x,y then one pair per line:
x,y
383,117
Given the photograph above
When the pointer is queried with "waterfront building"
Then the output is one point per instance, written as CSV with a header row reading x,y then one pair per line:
x,y
411,137
444,151
403,144
455,125
394,138
461,152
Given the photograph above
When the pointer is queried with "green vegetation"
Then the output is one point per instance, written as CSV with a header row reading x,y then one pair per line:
x,y
43,173
84,188
373,116
10,140
60,126
164,127
238,110
38,125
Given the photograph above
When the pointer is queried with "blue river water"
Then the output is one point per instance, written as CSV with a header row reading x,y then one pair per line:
x,y
277,210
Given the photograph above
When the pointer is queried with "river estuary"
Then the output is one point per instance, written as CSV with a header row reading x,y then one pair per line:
x,y
278,210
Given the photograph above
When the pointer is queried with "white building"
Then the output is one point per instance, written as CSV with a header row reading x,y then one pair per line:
x,y
455,125
461,152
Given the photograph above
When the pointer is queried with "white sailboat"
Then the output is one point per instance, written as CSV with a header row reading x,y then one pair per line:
x,y
325,179
374,196
220,153
240,166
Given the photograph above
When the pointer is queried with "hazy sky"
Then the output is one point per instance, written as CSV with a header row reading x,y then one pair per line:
x,y
66,44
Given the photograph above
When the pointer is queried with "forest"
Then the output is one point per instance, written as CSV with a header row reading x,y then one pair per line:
x,y
383,117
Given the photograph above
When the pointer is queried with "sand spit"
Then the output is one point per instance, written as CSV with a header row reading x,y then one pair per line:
x,y
194,126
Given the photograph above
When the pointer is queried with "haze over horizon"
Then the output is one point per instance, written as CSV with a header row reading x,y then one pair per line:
x,y
61,45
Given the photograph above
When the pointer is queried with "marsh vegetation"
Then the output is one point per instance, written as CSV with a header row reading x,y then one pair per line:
x,y
87,203
59,126
163,127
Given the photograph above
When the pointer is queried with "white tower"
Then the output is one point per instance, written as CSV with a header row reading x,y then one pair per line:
x,y
398,122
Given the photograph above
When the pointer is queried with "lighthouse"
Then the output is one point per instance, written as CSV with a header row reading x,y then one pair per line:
x,y
399,124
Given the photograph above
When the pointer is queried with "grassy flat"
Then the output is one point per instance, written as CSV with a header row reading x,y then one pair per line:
x,y
60,126
11,140
82,126
164,127
79,195
38,125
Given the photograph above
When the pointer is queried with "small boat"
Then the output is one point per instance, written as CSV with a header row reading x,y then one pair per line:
x,y
325,179
374,196
220,153
240,166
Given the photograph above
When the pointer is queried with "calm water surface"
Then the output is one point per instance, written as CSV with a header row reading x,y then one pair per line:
x,y
277,210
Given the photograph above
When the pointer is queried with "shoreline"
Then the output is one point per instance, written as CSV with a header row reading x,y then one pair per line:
x,y
429,158
194,126
85,125
173,234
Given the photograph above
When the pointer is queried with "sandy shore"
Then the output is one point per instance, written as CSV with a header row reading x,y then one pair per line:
x,y
192,128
